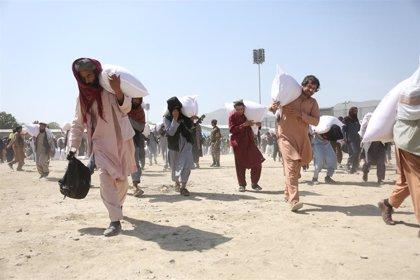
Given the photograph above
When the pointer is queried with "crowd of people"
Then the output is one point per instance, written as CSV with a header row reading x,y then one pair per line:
x,y
117,145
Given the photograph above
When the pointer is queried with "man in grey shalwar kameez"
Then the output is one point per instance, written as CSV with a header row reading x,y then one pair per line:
x,y
44,145
152,144
178,129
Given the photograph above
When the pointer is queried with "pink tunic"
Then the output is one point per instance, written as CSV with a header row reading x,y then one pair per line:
x,y
110,140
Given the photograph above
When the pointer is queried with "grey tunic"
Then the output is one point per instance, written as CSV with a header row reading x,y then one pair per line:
x,y
180,161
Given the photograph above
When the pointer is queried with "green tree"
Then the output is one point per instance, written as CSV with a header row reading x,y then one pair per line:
x,y
54,125
7,121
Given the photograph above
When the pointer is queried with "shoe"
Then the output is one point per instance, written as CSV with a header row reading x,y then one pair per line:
x,y
241,189
295,206
256,187
184,192
213,165
386,212
138,193
380,182
217,164
46,174
314,182
19,169
365,177
329,180
136,184
113,229
10,165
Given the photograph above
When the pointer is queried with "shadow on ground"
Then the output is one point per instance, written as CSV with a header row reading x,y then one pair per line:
x,y
196,196
169,238
354,210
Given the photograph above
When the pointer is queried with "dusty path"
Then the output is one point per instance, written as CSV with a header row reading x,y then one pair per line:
x,y
217,233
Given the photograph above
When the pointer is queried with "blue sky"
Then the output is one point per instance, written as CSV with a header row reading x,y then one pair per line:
x,y
358,49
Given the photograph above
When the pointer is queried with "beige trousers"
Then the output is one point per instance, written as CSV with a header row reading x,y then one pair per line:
x,y
42,163
292,175
113,193
408,181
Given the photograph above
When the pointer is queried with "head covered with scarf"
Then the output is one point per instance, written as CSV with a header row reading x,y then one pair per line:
x,y
352,117
88,93
173,103
185,123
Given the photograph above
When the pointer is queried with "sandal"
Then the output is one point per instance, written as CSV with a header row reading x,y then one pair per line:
x,y
138,193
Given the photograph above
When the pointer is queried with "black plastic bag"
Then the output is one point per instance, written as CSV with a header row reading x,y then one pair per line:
x,y
334,133
76,180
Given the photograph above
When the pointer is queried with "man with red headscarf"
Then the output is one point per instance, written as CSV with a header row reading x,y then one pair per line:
x,y
109,132
247,155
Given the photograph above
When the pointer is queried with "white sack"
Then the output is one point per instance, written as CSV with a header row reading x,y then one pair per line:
x,y
253,111
284,89
410,94
325,124
380,127
365,122
130,85
31,129
189,105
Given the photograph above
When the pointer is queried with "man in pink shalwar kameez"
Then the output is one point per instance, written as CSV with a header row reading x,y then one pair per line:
x,y
110,135
293,140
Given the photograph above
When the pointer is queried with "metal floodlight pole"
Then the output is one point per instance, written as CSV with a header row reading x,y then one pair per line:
x,y
259,83
259,58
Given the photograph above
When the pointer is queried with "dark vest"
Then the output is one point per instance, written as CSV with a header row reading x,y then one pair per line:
x,y
185,128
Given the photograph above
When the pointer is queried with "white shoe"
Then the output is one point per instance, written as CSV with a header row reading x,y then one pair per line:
x,y
296,206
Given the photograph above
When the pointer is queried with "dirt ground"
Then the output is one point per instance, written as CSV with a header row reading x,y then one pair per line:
x,y
216,233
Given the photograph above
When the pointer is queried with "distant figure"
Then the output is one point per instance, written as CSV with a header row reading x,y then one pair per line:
x,y
324,156
152,144
276,150
44,149
247,155
375,154
264,142
198,145
2,150
18,145
163,143
352,139
215,142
